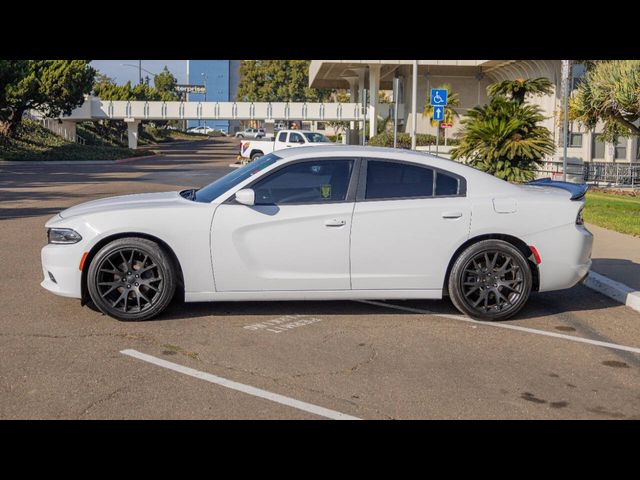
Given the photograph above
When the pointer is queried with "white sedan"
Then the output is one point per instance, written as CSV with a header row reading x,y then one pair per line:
x,y
325,223
205,130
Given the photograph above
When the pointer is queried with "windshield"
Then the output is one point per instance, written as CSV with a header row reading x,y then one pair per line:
x,y
313,137
217,188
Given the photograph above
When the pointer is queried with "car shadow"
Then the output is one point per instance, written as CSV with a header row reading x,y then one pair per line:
x,y
564,302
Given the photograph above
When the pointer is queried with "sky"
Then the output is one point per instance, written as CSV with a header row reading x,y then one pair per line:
x,y
121,74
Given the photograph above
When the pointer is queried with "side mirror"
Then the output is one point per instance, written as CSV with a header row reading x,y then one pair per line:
x,y
246,196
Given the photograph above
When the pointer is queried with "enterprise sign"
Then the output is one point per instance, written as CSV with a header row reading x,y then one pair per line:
x,y
191,88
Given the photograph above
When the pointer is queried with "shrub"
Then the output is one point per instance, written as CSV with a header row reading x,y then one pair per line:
x,y
404,140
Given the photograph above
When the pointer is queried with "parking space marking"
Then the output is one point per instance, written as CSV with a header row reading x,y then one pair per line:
x,y
283,324
462,318
241,387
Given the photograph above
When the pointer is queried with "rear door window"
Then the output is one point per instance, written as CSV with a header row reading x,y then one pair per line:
x,y
391,180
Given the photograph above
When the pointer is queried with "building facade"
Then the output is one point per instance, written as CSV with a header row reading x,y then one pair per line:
x,y
469,79
220,78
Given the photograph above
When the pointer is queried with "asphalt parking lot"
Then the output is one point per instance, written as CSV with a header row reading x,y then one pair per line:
x,y
573,354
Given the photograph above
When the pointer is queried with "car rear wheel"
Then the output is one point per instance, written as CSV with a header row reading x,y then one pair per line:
x,y
490,280
131,279
256,155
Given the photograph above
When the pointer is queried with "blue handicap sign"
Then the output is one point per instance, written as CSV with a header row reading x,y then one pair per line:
x,y
438,113
439,96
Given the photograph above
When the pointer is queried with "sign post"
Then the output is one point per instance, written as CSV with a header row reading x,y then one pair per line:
x,y
396,91
438,102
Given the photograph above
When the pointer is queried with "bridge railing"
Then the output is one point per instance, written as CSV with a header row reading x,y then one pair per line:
x,y
104,109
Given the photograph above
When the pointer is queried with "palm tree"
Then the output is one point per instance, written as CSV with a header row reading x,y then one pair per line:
x,y
519,88
503,138
453,100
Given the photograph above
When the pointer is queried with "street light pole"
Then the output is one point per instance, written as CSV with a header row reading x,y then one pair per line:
x,y
566,79
396,92
140,69
414,104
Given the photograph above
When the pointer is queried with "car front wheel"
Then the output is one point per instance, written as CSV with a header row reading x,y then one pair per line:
x,y
490,280
131,279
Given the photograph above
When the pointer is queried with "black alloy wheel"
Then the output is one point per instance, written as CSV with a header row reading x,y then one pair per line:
x,y
131,279
490,280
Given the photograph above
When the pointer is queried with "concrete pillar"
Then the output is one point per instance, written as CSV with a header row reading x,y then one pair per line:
x,y
352,133
132,132
632,152
68,130
374,84
414,104
361,77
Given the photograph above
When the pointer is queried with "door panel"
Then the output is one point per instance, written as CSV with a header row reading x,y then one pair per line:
x,y
285,247
406,243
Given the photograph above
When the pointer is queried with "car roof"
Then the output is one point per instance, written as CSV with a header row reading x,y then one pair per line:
x,y
478,182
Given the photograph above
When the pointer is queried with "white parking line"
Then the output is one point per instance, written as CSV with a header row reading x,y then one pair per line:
x,y
462,318
248,389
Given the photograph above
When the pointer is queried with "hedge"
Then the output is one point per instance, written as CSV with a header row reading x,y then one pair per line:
x,y
404,140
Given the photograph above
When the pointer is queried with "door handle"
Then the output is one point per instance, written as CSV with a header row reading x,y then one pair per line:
x,y
334,222
451,214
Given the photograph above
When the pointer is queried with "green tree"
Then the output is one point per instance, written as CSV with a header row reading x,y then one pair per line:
x,y
277,81
610,93
165,83
503,137
518,89
54,87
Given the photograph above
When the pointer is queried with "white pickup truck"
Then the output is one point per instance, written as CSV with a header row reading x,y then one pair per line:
x,y
253,149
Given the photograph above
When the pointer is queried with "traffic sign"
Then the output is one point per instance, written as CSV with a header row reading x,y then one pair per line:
x,y
439,97
446,125
438,113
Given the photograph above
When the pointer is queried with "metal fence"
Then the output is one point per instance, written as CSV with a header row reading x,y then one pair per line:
x,y
597,173
613,174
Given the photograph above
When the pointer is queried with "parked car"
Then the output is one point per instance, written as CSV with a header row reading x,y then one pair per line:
x,y
251,133
204,129
326,223
283,139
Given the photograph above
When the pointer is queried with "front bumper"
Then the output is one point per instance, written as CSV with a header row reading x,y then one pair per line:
x,y
63,263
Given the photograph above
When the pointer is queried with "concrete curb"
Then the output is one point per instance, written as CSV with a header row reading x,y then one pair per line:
x,y
74,162
614,290
131,159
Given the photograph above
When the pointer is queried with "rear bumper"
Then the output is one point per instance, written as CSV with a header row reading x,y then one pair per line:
x,y
566,256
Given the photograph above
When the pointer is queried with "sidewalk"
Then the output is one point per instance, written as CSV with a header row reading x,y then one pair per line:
x,y
616,255
616,258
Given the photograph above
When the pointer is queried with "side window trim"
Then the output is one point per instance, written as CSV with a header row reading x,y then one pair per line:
x,y
351,189
362,181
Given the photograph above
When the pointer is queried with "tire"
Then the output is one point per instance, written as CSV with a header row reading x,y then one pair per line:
x,y
256,155
239,136
118,290
490,280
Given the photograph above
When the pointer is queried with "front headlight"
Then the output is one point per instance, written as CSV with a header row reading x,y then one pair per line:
x,y
63,235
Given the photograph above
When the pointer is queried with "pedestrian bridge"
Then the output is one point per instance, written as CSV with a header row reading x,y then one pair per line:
x,y
96,109
133,112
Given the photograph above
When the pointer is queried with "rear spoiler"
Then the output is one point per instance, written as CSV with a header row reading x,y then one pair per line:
x,y
577,190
